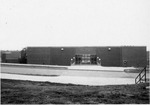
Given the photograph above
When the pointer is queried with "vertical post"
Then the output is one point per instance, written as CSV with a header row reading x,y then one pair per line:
x,y
135,80
145,73
140,77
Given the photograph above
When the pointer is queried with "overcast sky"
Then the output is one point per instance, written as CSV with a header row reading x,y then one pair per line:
x,y
74,23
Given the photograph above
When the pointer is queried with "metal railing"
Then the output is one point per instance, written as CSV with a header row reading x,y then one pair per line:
x,y
141,78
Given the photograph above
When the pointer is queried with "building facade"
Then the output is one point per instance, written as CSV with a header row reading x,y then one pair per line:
x,y
10,56
119,56
148,56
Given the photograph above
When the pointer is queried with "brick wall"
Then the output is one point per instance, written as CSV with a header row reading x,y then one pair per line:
x,y
134,56
110,56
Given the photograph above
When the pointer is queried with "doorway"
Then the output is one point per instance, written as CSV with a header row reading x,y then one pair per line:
x,y
86,59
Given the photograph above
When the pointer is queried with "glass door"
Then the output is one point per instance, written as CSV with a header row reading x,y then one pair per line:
x,y
85,59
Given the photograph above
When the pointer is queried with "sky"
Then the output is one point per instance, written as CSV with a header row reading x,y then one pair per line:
x,y
26,23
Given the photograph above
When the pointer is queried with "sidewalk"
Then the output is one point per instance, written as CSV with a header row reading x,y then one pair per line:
x,y
93,81
98,67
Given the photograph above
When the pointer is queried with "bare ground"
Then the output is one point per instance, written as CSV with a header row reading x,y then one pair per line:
x,y
29,92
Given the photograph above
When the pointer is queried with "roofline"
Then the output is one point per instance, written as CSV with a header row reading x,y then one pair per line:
x,y
77,46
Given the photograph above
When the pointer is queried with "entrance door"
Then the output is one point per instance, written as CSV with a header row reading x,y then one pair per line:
x,y
85,59
93,59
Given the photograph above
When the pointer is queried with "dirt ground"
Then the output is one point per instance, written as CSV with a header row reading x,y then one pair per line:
x,y
29,92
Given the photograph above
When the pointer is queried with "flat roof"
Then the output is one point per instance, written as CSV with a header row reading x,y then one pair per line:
x,y
79,46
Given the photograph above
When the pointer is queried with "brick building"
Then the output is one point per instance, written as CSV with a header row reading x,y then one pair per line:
x,y
106,55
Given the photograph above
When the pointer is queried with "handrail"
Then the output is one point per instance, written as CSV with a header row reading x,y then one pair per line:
x,y
140,77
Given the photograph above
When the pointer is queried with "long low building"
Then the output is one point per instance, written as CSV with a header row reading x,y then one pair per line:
x,y
125,56
10,56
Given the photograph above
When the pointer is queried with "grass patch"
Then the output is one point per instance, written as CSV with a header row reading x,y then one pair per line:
x,y
29,92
